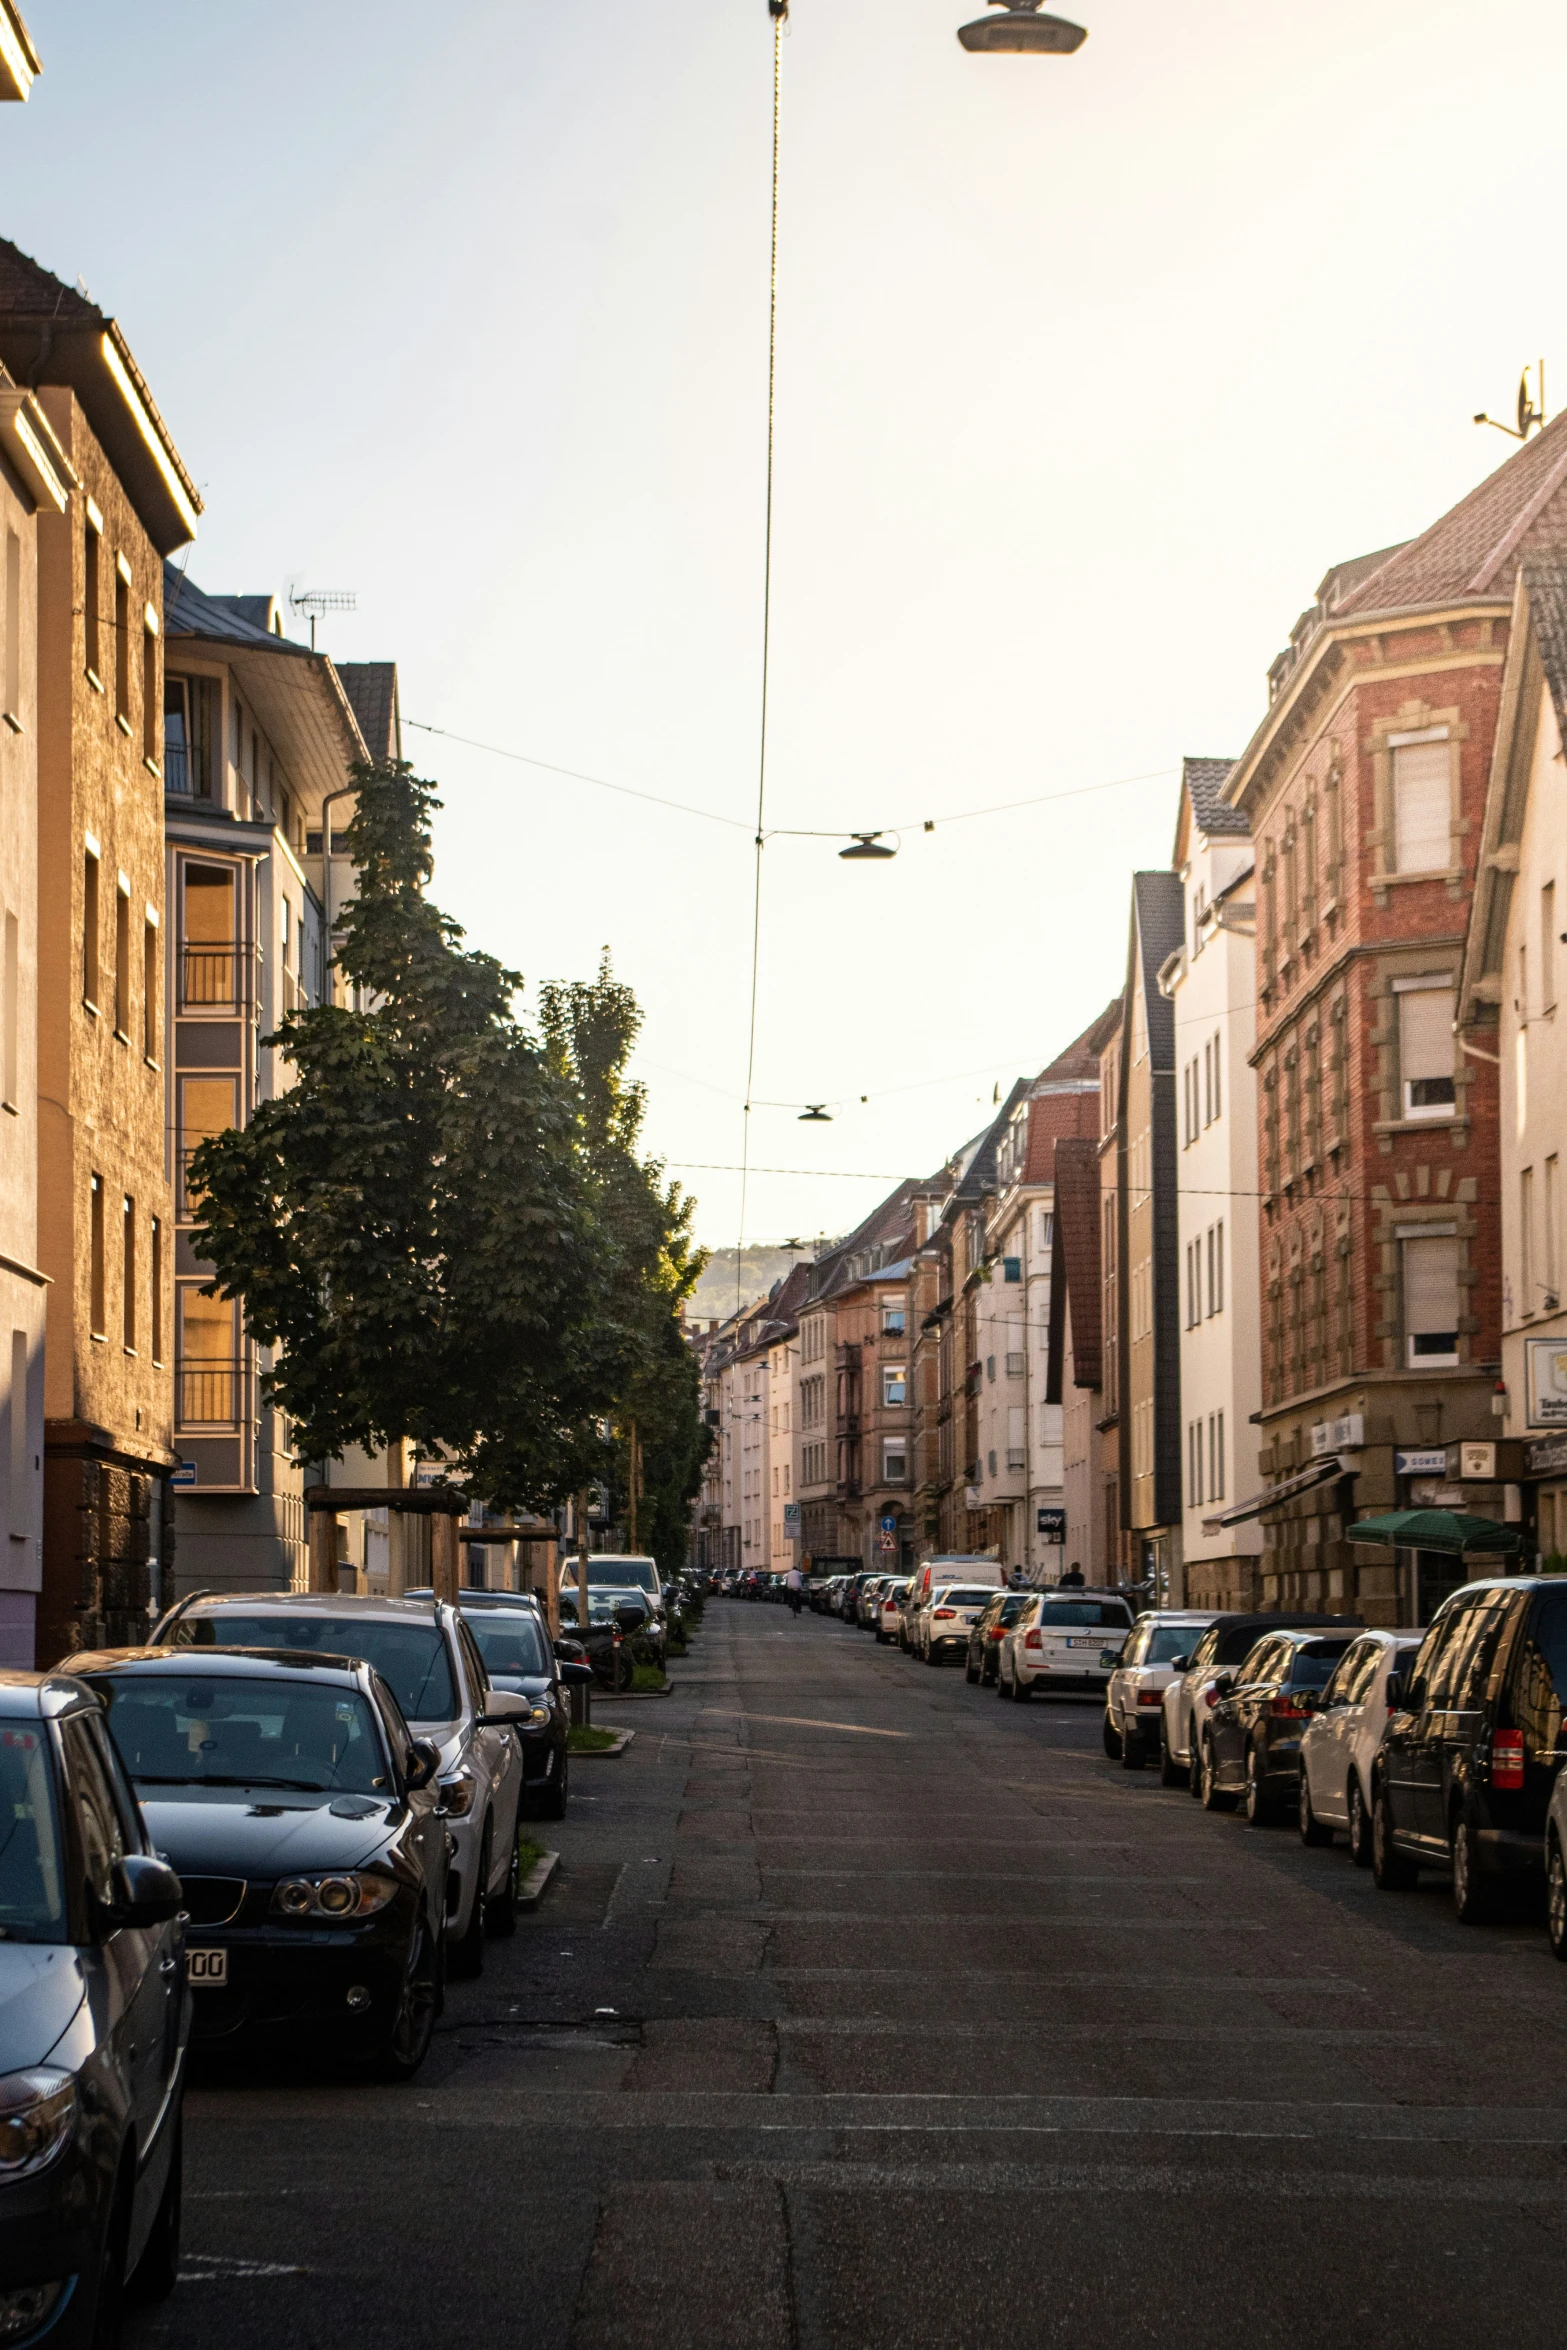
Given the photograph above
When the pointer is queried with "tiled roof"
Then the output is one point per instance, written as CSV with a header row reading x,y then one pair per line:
x,y
1204,781
371,686
1080,1061
1545,582
1161,927
1474,550
189,611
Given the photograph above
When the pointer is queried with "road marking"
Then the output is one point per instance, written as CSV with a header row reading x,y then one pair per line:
x,y
802,1722
1149,2179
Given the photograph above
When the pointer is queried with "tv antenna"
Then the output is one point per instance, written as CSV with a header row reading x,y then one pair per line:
x,y
315,601
1530,418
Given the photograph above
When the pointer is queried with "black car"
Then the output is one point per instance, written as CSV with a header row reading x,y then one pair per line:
x,y
1468,1761
513,1639
604,1643
1251,1746
985,1635
303,1819
94,2022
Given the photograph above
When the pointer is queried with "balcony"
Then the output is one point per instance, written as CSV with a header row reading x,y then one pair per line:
x,y
211,1392
218,976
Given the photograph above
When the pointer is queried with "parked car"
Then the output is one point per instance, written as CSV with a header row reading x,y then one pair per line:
x,y
889,1611
610,1570
305,1823
1143,1669
867,1610
1190,1696
1466,1772
1251,1741
94,2025
954,1568
987,1632
1057,1642
1338,1745
605,1647
429,1660
515,1645
944,1623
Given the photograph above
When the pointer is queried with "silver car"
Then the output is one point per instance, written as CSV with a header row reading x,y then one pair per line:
x,y
430,1661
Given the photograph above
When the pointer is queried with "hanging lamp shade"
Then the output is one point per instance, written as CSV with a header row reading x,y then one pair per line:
x,y
1020,26
866,844
815,1114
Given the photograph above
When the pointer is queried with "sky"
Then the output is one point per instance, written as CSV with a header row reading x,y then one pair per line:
x,y
1088,370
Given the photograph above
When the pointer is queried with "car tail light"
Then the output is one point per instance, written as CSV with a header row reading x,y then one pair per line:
x,y
1507,1759
943,1615
1150,1696
994,1633
1286,1709
1033,1640
1210,1697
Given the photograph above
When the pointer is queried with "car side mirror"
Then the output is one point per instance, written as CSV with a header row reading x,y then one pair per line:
x,y
144,1891
573,1675
567,1648
1109,1658
1180,1664
1308,1700
1224,1686
424,1760
502,1707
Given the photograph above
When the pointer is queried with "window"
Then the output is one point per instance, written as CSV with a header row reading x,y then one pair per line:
x,y
90,928
151,978
1011,1268
894,1461
155,1269
92,596
13,627
893,1321
1521,1000
1551,1204
1193,1307
122,961
1194,1462
209,940
207,1106
122,643
1548,946
1218,1102
1425,1050
1047,1226
1431,1299
97,1306
1216,1456
1527,1301
1216,1268
1422,807
128,1277
206,1370
149,689
10,1031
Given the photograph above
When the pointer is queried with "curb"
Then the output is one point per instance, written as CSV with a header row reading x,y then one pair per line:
x,y
533,1884
623,1739
630,1696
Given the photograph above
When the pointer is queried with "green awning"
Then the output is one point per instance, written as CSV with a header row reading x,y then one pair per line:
x,y
1447,1530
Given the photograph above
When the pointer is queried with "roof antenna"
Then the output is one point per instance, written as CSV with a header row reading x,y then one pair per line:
x,y
1530,418
318,600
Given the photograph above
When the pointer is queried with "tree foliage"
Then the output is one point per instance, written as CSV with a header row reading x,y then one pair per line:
x,y
443,1227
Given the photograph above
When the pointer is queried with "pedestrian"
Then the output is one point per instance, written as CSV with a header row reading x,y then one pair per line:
x,y
794,1584
1073,1576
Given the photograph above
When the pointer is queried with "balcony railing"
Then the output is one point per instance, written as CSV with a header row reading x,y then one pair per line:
x,y
211,1391
217,977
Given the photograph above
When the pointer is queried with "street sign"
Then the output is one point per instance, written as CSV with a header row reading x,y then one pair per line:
x,y
887,1542
791,1521
1050,1525
889,1525
185,1474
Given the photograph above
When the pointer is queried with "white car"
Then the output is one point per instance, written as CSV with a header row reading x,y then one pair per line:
x,y
889,1611
1343,1735
1058,1642
942,1626
1134,1694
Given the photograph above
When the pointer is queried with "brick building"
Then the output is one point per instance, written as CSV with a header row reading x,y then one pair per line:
x,y
1365,789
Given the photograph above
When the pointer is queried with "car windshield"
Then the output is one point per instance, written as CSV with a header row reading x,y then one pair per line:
x,y
961,1598
32,1896
633,1574
601,1606
510,1641
234,1732
411,1658
1169,1641
1059,1615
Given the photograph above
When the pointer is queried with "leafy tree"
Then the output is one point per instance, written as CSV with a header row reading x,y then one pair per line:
x,y
442,1227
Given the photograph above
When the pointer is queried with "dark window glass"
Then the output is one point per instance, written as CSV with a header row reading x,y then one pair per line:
x,y
99,1835
1070,1614
1207,1648
1313,1661
1236,1643
232,1732
1427,1663
1351,1669
1540,1673
32,1887
411,1659
510,1642
1163,1643
1258,1662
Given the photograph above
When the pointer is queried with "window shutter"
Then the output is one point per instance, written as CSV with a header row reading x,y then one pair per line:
x,y
1431,1303
1422,810
1425,1033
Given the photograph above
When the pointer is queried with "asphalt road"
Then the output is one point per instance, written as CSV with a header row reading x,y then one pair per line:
x,y
868,2011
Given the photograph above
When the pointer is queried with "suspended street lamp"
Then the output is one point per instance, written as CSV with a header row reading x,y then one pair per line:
x,y
815,1114
1021,28
867,844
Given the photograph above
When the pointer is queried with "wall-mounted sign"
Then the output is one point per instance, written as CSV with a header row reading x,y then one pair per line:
x,y
1050,1525
1345,1434
1475,1461
1432,1462
1546,1363
185,1474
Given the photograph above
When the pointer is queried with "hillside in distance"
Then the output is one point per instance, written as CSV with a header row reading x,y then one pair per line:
x,y
714,1297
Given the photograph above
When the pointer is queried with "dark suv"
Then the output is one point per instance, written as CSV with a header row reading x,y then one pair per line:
x,y
1252,1743
1469,1757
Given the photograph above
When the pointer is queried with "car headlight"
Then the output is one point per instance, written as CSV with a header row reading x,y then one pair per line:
x,y
350,1894
457,1794
25,2307
535,1717
37,2116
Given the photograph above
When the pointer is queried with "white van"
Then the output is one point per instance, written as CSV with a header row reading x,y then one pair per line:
x,y
954,1567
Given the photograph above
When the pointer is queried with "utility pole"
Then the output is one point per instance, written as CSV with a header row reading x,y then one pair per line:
x,y
634,1479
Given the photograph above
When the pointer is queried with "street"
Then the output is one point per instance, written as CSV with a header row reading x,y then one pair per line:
x,y
867,2010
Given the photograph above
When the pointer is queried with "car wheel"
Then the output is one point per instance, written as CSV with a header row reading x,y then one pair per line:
x,y
1133,1752
1112,1738
1359,1823
1312,1830
558,1793
1213,1796
1261,1804
970,1671
931,1657
1391,1870
158,2270
1171,1773
1474,1893
408,2042
467,1954
1556,1900
500,1916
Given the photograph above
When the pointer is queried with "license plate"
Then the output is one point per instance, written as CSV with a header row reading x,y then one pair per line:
x,y
208,1969
1085,1644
